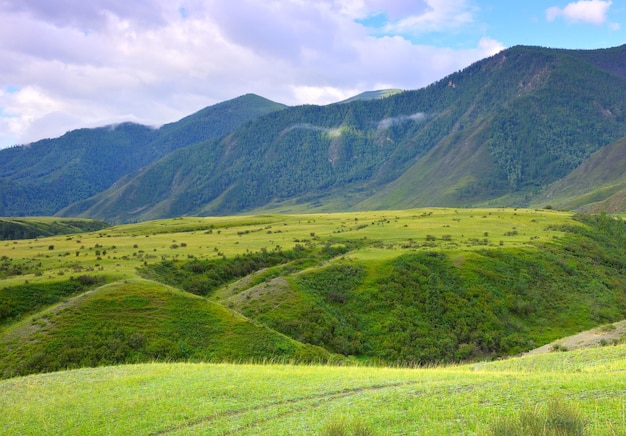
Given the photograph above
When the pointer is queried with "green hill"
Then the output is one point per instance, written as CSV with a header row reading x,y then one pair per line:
x,y
43,177
33,227
596,185
395,287
139,321
496,134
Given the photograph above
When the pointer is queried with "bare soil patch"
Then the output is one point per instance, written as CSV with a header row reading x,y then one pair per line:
x,y
609,334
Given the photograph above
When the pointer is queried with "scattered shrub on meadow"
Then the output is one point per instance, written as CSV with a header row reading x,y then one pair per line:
x,y
343,427
558,418
559,347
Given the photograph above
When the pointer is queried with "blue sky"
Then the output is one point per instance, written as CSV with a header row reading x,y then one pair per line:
x,y
68,64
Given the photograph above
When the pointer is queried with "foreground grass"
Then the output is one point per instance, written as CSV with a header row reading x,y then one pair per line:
x,y
294,400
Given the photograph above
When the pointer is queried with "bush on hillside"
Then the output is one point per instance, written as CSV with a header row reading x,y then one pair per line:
x,y
558,418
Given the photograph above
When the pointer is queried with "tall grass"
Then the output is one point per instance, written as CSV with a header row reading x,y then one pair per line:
x,y
557,418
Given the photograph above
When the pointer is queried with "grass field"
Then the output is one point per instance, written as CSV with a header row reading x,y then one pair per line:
x,y
244,399
83,300
118,251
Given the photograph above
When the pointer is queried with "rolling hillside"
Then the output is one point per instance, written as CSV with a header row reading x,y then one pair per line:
x,y
390,287
496,134
140,321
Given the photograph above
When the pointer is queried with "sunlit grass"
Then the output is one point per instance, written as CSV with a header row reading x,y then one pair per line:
x,y
246,399
118,251
295,400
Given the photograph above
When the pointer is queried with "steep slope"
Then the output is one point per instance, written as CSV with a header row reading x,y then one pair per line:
x,y
43,177
495,133
562,110
598,185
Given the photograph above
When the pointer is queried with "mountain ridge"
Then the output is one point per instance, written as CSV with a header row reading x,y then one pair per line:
x,y
45,176
499,132
496,133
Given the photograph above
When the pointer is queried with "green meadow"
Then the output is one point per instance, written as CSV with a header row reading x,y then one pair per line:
x,y
118,251
243,399
385,322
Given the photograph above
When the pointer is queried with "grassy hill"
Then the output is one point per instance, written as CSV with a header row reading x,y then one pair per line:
x,y
33,227
138,321
185,398
394,287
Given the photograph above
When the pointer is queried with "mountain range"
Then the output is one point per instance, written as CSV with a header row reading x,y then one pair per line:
x,y
527,127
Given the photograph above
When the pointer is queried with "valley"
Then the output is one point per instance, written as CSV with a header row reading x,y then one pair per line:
x,y
407,287
447,260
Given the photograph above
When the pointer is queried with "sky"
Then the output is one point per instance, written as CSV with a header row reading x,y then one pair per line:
x,y
67,64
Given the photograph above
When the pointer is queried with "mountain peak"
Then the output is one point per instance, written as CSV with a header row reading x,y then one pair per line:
x,y
371,95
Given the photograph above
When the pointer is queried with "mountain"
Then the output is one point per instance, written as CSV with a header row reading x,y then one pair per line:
x,y
372,95
43,177
598,185
496,133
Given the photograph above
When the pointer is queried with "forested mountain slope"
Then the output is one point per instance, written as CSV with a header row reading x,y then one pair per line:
x,y
496,133
43,177
598,185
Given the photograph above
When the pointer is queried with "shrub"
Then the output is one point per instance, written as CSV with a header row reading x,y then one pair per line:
x,y
556,419
342,427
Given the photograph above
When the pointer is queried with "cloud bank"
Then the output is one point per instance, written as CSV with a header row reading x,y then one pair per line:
x,y
70,63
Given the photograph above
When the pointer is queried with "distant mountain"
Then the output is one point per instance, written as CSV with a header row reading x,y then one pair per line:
x,y
372,95
495,134
43,177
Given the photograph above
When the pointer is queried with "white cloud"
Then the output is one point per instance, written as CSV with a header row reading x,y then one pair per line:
x,y
584,11
438,16
92,63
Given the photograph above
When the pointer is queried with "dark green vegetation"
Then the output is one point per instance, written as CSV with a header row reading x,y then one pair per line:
x,y
48,175
403,288
427,307
135,321
498,133
528,126
29,228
